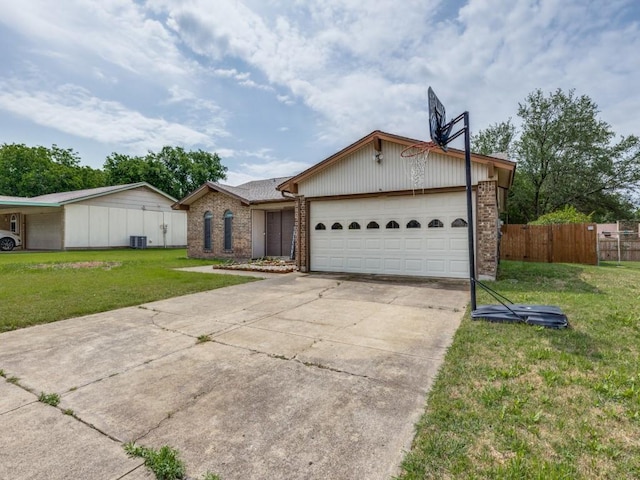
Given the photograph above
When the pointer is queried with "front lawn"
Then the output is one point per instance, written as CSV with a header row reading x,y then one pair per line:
x,y
45,287
520,402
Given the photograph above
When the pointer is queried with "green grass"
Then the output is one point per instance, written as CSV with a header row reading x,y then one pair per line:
x,y
45,287
518,402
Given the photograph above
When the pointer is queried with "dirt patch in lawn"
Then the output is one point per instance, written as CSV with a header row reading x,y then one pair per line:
x,y
77,265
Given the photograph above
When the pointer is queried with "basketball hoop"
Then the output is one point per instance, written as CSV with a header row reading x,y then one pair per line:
x,y
418,153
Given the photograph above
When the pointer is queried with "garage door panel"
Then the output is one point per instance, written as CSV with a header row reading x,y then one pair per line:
x,y
459,268
392,265
422,251
337,262
392,243
373,244
414,265
459,244
354,262
372,264
436,244
436,266
413,244
354,244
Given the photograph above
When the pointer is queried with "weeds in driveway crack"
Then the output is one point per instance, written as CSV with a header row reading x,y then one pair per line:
x,y
165,462
52,399
211,476
203,339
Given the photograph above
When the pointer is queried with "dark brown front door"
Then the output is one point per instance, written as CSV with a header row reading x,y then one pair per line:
x,y
287,231
274,234
279,233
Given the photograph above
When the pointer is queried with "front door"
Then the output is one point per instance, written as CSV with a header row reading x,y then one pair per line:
x,y
279,233
274,234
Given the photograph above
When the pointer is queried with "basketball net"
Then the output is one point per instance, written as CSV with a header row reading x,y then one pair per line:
x,y
418,154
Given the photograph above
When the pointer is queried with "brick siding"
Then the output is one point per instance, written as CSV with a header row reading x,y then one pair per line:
x,y
302,239
218,203
487,230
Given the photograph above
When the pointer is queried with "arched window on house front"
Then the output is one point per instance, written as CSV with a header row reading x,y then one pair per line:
x,y
13,226
228,221
207,231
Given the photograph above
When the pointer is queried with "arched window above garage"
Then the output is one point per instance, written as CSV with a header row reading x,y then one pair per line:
x,y
336,226
459,222
435,223
320,226
354,226
372,225
393,224
413,224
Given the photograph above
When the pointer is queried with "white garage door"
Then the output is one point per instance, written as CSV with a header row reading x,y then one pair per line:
x,y
422,235
44,231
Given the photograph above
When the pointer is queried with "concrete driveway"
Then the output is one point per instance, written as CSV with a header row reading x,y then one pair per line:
x,y
305,377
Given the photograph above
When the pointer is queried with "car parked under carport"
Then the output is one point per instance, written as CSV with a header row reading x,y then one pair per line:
x,y
9,240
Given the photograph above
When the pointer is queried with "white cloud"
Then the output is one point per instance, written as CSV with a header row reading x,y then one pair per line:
x,y
260,171
116,31
72,109
286,99
344,66
368,65
251,84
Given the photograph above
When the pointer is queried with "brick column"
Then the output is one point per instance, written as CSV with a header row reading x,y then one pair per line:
x,y
487,230
302,240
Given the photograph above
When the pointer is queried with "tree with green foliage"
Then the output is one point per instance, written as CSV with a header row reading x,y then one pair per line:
x,y
565,155
568,214
172,169
497,138
32,171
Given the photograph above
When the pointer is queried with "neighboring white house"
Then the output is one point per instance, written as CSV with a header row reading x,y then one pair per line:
x,y
105,217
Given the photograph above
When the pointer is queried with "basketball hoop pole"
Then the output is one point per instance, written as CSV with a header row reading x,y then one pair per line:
x,y
467,166
443,139
544,315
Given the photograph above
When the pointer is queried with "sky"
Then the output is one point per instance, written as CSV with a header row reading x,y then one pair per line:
x,y
275,86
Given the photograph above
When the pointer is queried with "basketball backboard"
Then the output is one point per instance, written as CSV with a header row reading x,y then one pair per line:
x,y
438,128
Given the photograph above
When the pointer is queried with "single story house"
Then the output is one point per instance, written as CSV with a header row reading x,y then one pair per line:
x,y
104,217
365,209
251,220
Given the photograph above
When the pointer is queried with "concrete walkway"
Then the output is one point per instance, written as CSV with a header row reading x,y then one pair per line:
x,y
305,377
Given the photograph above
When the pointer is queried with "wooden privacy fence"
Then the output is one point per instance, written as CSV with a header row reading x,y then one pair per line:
x,y
628,249
565,243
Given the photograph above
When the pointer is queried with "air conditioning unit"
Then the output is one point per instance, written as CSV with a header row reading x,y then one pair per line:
x,y
137,242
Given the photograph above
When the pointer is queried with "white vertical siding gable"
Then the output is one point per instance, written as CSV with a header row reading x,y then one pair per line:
x,y
360,172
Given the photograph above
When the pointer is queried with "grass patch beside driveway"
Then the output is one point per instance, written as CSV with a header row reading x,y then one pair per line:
x,y
515,401
45,287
